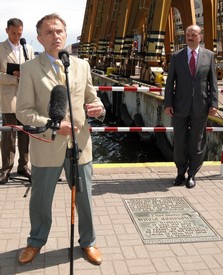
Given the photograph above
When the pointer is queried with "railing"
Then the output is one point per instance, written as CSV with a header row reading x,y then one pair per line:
x,y
133,129
115,129
146,89
134,89
129,129
145,129
129,89
150,89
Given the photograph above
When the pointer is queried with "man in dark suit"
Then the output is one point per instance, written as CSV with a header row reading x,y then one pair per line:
x,y
191,94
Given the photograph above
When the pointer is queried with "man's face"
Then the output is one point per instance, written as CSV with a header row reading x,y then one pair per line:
x,y
193,38
52,36
14,34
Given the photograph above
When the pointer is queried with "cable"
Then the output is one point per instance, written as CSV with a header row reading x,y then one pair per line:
x,y
31,135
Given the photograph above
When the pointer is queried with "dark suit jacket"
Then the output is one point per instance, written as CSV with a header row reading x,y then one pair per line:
x,y
185,93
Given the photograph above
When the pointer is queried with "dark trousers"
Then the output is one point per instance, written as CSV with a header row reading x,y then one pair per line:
x,y
8,142
189,143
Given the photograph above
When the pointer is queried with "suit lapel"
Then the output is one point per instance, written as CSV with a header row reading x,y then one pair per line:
x,y
21,55
185,62
10,52
200,58
72,77
48,68
50,72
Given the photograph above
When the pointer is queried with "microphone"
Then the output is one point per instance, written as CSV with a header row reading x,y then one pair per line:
x,y
25,52
57,107
64,57
35,130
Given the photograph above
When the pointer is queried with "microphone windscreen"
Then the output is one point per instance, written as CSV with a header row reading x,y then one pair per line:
x,y
63,52
58,103
22,41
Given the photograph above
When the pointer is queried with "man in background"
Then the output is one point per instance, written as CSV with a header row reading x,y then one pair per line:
x,y
191,94
12,52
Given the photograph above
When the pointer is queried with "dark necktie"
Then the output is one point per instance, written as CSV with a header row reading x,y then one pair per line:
x,y
192,63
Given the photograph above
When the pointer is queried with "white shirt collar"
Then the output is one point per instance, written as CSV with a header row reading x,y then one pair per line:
x,y
189,50
14,47
52,61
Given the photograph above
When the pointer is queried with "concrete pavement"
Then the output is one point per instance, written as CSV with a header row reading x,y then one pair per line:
x,y
117,237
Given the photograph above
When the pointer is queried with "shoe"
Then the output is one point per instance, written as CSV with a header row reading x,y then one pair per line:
x,y
179,180
27,254
4,177
93,254
25,173
190,182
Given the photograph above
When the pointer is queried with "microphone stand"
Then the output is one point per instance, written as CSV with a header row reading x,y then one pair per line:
x,y
73,154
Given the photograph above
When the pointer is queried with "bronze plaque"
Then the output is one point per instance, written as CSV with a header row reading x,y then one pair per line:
x,y
169,220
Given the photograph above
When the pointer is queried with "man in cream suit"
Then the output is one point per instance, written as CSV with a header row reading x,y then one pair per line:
x,y
38,78
11,52
191,94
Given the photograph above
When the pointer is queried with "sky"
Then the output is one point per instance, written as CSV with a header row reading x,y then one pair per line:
x,y
29,11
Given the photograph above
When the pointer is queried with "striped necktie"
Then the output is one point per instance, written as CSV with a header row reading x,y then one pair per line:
x,y
192,63
60,71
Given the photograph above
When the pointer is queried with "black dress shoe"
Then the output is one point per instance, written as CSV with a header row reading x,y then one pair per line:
x,y
25,173
4,177
190,182
179,180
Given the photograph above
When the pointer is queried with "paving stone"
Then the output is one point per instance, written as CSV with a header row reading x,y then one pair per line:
x,y
119,241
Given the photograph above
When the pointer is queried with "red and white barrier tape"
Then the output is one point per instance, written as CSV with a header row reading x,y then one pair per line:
x,y
119,129
131,129
133,89
145,129
128,89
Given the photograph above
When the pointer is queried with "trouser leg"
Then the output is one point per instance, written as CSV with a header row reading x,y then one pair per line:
x,y
197,144
181,136
23,148
44,181
84,204
8,143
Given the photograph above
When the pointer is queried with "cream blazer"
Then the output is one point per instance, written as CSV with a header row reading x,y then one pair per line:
x,y
9,83
37,80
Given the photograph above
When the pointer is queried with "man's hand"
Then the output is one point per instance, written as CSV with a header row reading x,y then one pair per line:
x,y
94,110
17,74
212,111
169,111
65,128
